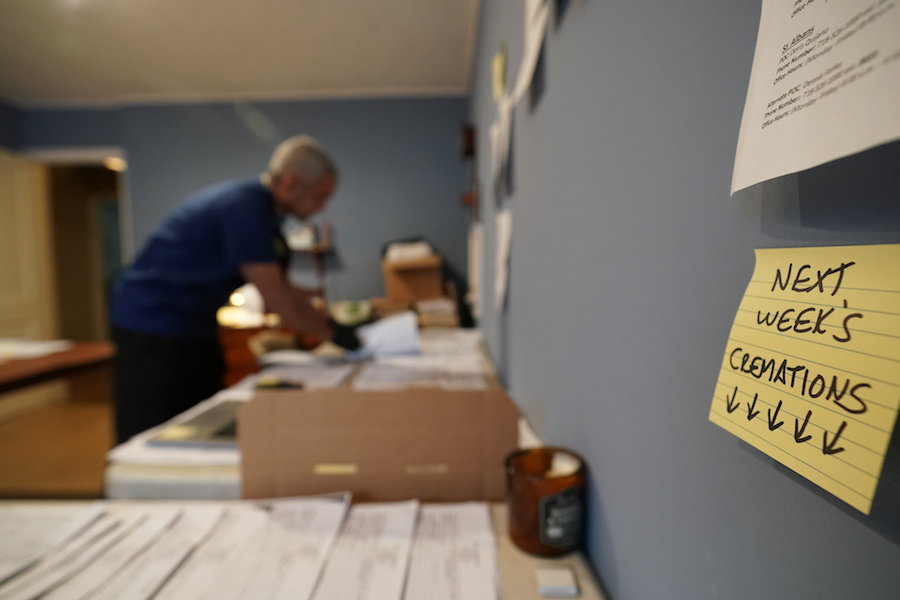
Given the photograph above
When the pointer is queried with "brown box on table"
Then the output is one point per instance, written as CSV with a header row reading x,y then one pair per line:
x,y
413,280
431,444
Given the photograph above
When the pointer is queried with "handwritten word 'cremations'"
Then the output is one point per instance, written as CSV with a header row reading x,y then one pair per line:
x,y
811,385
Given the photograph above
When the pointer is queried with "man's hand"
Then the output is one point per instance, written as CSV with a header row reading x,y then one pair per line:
x,y
280,297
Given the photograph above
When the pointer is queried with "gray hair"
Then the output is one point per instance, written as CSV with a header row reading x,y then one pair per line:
x,y
302,156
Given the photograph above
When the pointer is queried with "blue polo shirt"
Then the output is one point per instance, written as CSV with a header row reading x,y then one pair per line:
x,y
190,265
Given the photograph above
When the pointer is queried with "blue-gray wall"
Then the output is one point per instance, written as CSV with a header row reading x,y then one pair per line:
x,y
8,126
83,128
628,263
401,173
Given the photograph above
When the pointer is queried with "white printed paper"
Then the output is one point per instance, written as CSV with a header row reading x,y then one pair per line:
x,y
206,567
537,13
143,577
476,241
28,531
500,132
391,336
20,349
256,553
444,341
825,84
289,357
501,271
454,554
288,548
370,557
94,576
69,559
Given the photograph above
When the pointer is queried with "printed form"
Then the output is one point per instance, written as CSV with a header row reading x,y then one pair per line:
x,y
371,555
297,548
143,577
272,553
27,532
454,554
825,84
71,557
149,527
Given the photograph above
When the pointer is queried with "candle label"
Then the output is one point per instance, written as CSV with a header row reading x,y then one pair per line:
x,y
561,518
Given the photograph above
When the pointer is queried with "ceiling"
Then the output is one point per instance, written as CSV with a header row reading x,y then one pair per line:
x,y
110,52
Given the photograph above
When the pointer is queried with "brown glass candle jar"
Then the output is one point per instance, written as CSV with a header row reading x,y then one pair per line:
x,y
545,496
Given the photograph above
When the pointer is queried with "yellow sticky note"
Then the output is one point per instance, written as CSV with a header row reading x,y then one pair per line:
x,y
811,372
498,70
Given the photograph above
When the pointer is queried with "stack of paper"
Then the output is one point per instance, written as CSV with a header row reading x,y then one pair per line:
x,y
450,373
392,336
167,550
385,307
440,312
297,548
449,359
15,348
257,553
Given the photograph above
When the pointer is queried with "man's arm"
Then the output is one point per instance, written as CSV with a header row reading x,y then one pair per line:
x,y
282,298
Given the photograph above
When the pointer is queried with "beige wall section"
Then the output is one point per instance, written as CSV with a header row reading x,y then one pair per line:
x,y
27,294
76,193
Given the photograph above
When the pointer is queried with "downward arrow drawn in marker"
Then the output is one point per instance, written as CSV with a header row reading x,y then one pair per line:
x,y
798,431
829,448
732,402
750,407
772,425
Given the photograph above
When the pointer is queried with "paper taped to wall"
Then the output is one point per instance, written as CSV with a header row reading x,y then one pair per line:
x,y
537,13
810,373
501,268
825,84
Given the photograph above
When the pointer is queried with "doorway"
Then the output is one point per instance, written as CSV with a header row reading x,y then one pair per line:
x,y
54,437
84,209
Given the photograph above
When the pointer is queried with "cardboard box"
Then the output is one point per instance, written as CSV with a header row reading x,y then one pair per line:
x,y
385,307
430,444
413,280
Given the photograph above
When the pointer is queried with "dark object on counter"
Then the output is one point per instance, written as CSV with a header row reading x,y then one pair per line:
x,y
345,336
545,495
273,382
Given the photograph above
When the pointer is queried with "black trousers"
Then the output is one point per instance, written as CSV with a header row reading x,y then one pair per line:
x,y
158,377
